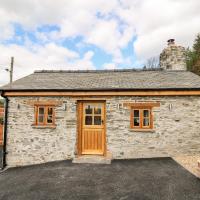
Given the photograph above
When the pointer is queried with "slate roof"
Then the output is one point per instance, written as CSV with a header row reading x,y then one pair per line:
x,y
106,80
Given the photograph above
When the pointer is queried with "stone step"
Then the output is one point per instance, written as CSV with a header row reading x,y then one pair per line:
x,y
93,159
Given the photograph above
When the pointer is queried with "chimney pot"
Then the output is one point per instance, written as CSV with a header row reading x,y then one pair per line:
x,y
171,41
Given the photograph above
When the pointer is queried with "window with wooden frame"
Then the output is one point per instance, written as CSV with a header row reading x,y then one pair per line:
x,y
141,118
44,115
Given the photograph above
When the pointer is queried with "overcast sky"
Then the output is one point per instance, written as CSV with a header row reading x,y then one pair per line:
x,y
91,34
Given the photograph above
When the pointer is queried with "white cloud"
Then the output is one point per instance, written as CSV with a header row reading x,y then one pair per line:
x,y
107,36
6,29
156,21
151,22
74,18
104,34
49,56
85,63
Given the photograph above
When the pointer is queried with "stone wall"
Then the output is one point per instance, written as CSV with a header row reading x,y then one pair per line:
x,y
173,57
176,130
27,144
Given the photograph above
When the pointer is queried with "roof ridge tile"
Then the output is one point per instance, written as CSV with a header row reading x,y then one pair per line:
x,y
97,70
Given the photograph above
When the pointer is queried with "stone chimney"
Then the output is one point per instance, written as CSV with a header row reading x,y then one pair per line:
x,y
173,57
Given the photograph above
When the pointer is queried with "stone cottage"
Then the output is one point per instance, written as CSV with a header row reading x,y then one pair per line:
x,y
118,114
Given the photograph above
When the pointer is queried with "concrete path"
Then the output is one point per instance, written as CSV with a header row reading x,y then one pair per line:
x,y
141,179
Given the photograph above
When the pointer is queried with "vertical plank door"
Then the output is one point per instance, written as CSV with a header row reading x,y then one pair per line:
x,y
93,128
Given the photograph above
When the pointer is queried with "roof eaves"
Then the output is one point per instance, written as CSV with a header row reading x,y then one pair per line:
x,y
99,89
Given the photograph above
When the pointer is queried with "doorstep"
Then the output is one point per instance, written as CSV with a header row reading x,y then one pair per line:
x,y
93,159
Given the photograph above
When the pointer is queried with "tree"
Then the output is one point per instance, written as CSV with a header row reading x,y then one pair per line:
x,y
196,46
152,63
193,56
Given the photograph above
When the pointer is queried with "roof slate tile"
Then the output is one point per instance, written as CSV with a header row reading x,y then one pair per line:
x,y
106,80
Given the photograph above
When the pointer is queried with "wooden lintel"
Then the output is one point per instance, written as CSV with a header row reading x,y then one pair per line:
x,y
49,103
107,93
141,104
90,99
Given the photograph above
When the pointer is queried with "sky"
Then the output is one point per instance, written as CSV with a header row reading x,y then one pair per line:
x,y
91,34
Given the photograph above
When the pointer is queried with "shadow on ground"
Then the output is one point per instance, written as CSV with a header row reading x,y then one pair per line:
x,y
141,179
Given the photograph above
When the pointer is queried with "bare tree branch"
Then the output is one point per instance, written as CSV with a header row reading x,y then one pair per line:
x,y
152,63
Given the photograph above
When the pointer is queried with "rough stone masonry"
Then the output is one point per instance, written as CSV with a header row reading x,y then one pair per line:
x,y
176,130
173,57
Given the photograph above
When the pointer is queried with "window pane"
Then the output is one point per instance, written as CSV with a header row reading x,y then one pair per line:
x,y
50,115
40,115
146,122
97,120
88,120
41,118
146,113
50,111
41,111
136,121
49,119
88,109
136,113
97,110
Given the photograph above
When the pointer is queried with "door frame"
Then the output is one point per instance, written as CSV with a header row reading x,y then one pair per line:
x,y
80,124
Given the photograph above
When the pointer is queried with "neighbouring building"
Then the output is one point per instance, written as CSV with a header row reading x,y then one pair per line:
x,y
59,115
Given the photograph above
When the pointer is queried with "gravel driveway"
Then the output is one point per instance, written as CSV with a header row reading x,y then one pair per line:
x,y
141,179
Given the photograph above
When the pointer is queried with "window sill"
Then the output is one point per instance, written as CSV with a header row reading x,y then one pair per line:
x,y
44,126
143,130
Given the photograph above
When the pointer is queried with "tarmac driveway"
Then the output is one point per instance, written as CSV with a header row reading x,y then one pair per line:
x,y
141,179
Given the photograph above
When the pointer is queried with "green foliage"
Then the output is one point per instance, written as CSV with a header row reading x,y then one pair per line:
x,y
1,105
1,120
191,59
1,102
196,46
193,56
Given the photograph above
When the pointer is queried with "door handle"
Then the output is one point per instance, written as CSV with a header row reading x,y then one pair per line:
x,y
102,121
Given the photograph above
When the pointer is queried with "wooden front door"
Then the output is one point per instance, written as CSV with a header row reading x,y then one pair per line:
x,y
93,128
